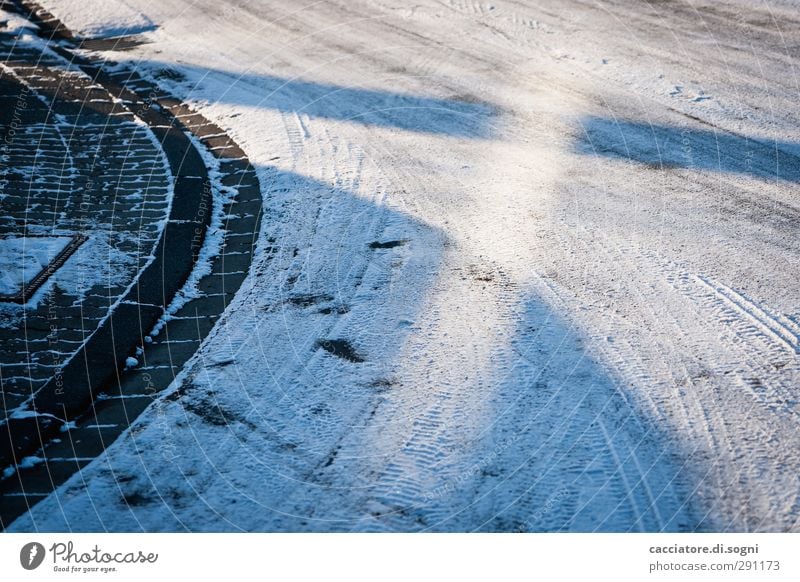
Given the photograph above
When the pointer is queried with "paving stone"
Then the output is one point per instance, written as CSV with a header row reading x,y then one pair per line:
x,y
233,262
121,411
212,303
14,505
196,329
167,354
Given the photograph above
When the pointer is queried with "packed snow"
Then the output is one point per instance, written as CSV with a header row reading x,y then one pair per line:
x,y
523,267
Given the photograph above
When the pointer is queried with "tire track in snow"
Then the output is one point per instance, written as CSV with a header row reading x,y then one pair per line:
x,y
643,478
687,334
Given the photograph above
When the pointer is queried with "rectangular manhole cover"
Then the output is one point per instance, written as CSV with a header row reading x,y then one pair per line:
x,y
26,262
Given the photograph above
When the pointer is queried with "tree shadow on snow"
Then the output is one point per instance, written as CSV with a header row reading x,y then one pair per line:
x,y
661,147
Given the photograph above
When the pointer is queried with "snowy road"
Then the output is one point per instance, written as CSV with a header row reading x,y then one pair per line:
x,y
524,266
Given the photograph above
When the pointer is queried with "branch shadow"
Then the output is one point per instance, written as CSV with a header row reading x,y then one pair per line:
x,y
663,147
573,452
461,117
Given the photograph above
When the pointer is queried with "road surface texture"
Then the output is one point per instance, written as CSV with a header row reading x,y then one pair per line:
x,y
525,266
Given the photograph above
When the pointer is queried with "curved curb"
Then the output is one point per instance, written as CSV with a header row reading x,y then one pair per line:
x,y
98,366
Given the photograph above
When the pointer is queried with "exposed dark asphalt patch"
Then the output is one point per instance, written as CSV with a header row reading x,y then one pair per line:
x,y
135,499
340,309
340,348
384,384
208,409
390,244
308,300
331,458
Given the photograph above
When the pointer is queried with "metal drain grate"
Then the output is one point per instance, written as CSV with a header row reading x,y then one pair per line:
x,y
26,288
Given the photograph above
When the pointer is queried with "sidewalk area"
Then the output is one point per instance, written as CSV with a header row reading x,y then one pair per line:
x,y
128,221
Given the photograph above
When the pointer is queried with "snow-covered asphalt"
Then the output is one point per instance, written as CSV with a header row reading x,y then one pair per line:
x,y
523,266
